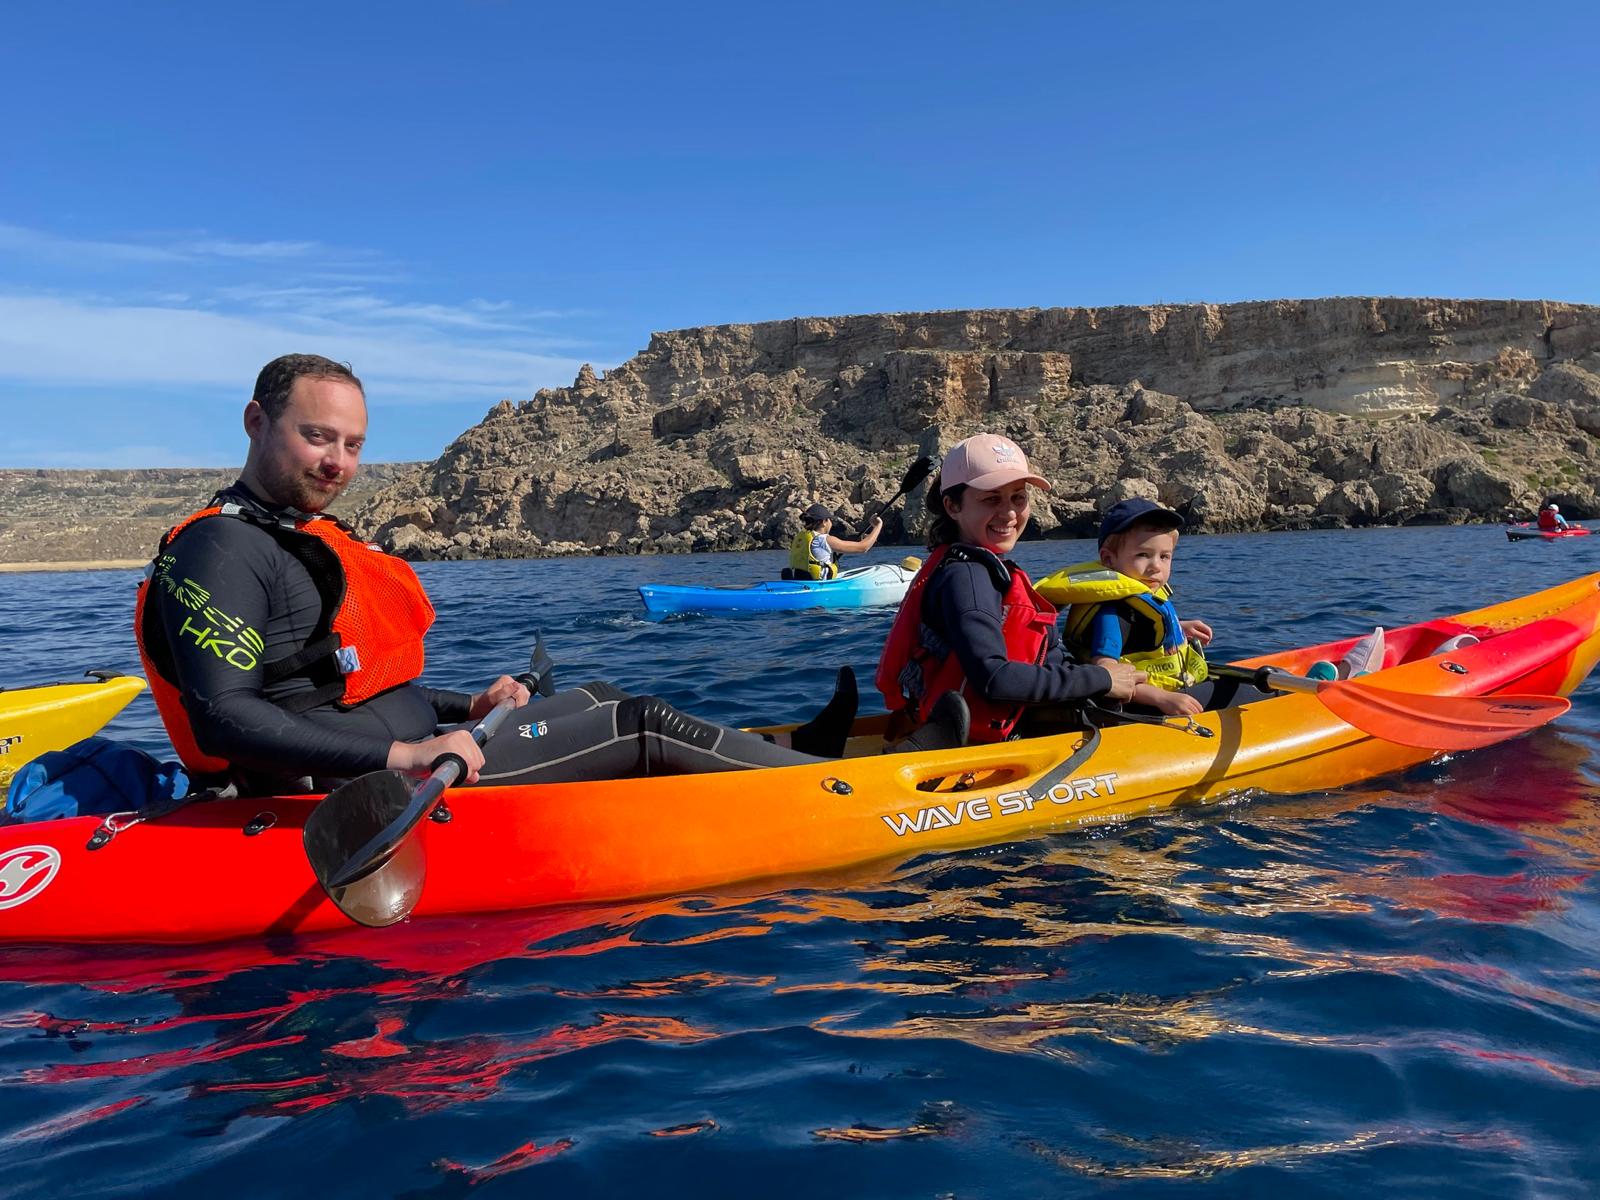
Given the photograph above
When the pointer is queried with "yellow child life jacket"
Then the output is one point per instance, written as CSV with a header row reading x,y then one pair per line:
x,y
804,562
1083,589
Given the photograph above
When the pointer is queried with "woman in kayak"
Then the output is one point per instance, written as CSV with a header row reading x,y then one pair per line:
x,y
971,626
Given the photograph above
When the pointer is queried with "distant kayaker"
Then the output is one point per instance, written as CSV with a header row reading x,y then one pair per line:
x,y
1550,518
1120,607
971,626
284,652
814,552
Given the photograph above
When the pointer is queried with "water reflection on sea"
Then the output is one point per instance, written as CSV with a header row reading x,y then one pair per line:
x,y
1395,985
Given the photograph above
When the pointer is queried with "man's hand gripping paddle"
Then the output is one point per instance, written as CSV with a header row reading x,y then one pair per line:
x,y
361,840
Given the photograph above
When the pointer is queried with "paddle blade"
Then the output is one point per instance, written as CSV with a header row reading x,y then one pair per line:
x,y
916,473
343,825
541,677
1438,722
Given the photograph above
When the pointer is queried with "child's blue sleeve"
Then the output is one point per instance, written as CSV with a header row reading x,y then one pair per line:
x,y
1105,634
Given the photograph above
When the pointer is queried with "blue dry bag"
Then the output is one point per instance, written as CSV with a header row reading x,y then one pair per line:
x,y
91,778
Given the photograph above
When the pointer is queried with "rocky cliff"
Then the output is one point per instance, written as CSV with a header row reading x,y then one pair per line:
x,y
116,516
1277,414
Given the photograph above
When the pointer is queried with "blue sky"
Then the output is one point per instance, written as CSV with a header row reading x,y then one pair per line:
x,y
468,200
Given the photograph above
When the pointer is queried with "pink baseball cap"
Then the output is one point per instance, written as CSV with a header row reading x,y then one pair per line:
x,y
984,461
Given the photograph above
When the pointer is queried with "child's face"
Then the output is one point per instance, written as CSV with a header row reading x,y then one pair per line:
x,y
1144,554
994,518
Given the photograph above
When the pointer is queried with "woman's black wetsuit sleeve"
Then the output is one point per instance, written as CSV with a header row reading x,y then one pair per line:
x,y
963,606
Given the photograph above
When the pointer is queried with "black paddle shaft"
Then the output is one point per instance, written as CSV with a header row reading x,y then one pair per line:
x,y
915,474
386,797
1268,679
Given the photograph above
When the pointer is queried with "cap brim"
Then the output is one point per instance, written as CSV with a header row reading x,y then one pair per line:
x,y
1151,516
996,479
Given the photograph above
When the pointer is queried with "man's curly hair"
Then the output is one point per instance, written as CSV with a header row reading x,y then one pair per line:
x,y
277,379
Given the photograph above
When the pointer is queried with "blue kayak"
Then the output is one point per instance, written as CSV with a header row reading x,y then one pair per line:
x,y
863,587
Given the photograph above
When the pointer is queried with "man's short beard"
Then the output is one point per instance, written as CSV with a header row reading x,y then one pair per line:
x,y
296,491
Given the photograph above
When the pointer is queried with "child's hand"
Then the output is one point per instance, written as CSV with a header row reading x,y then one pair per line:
x,y
1175,704
1197,632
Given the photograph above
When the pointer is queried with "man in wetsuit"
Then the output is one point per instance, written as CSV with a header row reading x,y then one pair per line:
x,y
283,652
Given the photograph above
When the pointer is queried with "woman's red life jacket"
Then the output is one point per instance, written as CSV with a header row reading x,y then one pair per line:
x,y
916,669
1547,519
374,634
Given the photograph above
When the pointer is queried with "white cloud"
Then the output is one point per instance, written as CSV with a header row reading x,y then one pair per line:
x,y
191,311
221,248
37,244
65,341
165,247
351,302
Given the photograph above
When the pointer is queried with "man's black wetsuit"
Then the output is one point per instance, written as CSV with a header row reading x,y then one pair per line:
x,y
962,607
252,583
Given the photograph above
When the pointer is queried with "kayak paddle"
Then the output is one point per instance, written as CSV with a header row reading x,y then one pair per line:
x,y
359,839
1407,719
915,474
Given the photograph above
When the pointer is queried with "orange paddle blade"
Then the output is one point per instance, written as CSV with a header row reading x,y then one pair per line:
x,y
1438,722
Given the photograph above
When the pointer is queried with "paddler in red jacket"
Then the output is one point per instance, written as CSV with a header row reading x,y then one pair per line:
x,y
1550,518
971,626
284,652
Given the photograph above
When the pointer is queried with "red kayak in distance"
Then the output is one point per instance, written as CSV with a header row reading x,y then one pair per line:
x,y
1526,531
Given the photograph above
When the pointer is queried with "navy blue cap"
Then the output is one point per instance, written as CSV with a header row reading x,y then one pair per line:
x,y
818,512
1136,508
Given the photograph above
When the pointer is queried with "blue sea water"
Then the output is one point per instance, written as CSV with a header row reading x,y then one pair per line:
x,y
1390,987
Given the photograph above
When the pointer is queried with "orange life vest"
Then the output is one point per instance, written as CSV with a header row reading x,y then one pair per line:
x,y
374,639
916,669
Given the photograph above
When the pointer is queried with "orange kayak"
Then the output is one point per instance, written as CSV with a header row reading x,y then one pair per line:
x,y
226,869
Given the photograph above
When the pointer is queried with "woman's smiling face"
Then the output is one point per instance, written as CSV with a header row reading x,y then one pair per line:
x,y
994,517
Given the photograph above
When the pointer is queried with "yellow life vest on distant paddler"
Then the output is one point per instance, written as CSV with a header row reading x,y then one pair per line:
x,y
803,560
1085,588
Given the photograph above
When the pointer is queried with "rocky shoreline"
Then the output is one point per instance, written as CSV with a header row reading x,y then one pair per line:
x,y
1268,415
66,520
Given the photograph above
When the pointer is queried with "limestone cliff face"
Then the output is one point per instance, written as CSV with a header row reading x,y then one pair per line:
x,y
1277,414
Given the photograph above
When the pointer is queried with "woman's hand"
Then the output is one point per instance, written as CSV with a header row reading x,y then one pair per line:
x,y
1197,632
1124,679
496,692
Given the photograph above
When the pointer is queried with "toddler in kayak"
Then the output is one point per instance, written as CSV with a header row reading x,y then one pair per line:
x,y
1121,609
